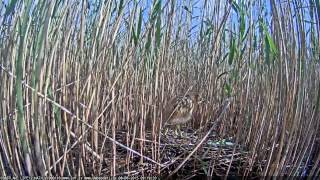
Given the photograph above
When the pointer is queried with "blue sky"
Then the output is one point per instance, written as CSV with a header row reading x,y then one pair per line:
x,y
197,9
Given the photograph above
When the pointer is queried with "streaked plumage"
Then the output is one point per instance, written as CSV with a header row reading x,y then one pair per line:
x,y
180,110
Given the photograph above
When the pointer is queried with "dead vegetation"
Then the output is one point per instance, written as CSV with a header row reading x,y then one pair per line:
x,y
84,85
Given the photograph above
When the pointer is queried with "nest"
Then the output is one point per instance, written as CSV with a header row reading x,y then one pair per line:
x,y
215,157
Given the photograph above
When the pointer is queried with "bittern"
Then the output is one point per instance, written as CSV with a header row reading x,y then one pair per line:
x,y
180,110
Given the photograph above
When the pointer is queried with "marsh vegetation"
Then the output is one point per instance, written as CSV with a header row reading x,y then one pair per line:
x,y
84,85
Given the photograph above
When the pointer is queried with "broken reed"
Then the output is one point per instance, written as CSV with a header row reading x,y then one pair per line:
x,y
74,75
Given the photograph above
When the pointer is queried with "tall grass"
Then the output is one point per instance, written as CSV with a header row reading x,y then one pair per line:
x,y
84,85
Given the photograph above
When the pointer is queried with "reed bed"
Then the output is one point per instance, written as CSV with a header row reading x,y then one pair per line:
x,y
84,85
